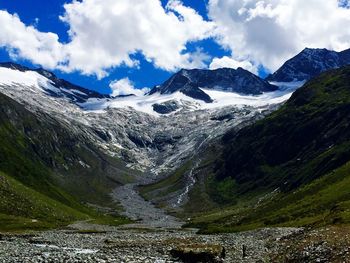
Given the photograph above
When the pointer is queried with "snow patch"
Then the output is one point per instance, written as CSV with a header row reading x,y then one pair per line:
x,y
221,99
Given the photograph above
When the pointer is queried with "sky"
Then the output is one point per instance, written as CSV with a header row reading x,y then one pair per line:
x,y
115,46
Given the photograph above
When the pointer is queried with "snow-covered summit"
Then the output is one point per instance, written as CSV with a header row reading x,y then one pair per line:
x,y
46,81
156,103
192,82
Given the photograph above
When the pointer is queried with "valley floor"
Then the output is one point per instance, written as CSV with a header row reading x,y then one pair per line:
x,y
109,244
138,209
155,236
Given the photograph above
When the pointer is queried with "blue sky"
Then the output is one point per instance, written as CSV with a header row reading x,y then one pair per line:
x,y
256,35
45,16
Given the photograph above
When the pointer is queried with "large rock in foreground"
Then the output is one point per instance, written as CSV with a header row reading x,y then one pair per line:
x,y
199,253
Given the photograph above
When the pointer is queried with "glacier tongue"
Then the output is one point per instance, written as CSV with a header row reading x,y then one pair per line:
x,y
129,128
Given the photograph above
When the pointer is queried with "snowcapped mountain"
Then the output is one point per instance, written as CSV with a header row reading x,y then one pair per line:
x,y
309,63
131,127
48,81
192,82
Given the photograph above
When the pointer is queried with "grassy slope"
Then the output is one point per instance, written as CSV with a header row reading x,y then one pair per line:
x,y
322,202
308,137
38,159
290,168
22,207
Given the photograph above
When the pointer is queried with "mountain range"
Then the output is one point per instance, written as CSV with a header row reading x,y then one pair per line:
x,y
222,137
192,82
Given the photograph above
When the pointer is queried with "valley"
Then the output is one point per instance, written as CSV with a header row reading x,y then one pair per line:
x,y
219,162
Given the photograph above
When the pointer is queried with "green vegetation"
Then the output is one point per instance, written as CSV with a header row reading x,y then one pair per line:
x,y
324,201
289,169
38,159
23,208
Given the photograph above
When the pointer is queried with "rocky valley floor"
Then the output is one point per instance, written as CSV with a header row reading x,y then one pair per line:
x,y
107,244
156,237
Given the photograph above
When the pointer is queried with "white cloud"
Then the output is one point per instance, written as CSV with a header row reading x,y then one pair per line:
x,y
269,32
106,33
229,62
27,42
125,87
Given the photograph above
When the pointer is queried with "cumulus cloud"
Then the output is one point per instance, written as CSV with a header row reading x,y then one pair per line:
x,y
125,87
229,62
269,32
106,33
27,42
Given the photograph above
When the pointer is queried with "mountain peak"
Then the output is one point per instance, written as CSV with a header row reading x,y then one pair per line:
x,y
15,66
309,63
192,82
54,86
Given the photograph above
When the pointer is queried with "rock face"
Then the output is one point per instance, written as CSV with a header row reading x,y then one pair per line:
x,y
166,107
190,83
309,63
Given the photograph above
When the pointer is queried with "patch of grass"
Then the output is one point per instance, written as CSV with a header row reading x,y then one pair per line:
x,y
332,245
22,208
111,220
325,201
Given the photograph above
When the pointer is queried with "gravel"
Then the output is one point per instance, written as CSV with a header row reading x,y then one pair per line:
x,y
137,208
111,244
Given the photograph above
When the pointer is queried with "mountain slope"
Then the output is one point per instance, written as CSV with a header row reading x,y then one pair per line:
x,y
128,128
310,63
40,157
311,126
291,168
191,83
53,85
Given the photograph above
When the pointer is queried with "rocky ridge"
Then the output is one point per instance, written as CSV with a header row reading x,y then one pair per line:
x,y
191,82
310,63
